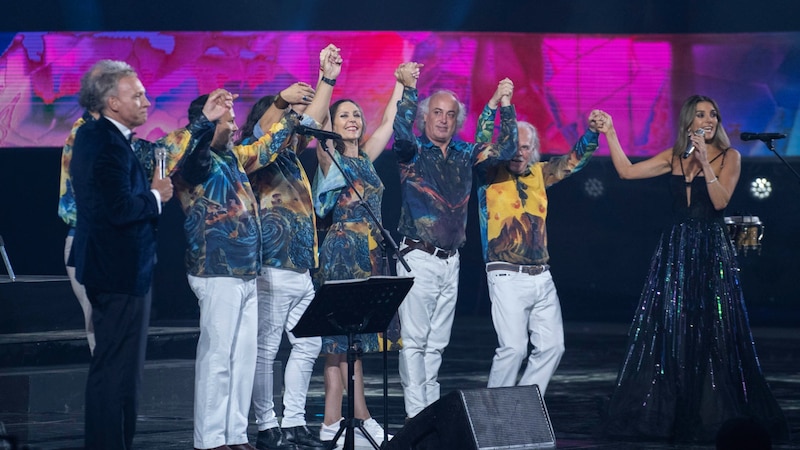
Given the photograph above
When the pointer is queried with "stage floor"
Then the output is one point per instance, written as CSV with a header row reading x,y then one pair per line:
x,y
53,418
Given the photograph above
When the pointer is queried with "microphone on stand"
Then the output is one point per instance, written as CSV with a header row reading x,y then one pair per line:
x,y
745,136
6,261
161,161
317,133
769,140
690,147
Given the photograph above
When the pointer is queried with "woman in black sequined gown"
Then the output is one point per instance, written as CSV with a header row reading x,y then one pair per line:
x,y
691,362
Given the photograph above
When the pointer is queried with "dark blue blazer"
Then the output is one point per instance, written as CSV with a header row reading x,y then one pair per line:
x,y
115,237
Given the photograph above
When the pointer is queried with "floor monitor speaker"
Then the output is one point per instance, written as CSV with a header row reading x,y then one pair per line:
x,y
480,419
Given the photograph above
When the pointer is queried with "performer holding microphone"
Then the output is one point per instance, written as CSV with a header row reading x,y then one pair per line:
x,y
690,364
115,246
161,161
690,149
173,146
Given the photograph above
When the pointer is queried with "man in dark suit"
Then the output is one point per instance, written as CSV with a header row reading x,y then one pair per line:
x,y
115,247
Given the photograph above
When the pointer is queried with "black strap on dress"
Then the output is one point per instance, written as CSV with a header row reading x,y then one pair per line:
x,y
689,183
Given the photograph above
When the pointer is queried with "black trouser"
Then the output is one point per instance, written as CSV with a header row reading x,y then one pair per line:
x,y
115,373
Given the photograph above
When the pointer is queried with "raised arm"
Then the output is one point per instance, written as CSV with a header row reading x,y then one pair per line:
x,y
197,165
649,168
502,95
265,149
558,168
376,143
405,143
219,102
508,139
330,67
299,95
183,141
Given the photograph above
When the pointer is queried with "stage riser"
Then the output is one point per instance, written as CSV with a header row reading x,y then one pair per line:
x,y
167,386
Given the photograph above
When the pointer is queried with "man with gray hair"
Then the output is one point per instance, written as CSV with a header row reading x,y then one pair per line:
x,y
176,144
435,180
115,245
512,209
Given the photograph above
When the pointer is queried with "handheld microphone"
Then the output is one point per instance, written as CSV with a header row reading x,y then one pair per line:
x,y
317,133
161,161
761,136
690,147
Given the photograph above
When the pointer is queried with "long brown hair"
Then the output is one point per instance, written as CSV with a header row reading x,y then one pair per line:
x,y
685,119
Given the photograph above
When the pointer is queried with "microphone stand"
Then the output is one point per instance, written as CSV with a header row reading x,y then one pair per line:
x,y
770,143
7,262
388,242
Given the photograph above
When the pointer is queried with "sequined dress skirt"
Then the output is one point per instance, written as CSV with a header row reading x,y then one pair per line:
x,y
690,362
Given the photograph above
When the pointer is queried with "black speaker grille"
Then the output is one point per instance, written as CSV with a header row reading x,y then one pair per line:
x,y
508,418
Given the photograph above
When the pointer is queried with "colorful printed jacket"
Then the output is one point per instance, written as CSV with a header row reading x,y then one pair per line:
x,y
283,191
177,144
512,209
436,187
222,228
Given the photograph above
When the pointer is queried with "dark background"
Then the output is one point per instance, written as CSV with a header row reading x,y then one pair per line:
x,y
555,16
600,247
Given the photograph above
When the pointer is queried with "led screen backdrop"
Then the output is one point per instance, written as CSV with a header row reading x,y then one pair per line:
x,y
640,79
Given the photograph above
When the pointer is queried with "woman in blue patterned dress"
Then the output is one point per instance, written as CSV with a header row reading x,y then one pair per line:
x,y
352,247
690,364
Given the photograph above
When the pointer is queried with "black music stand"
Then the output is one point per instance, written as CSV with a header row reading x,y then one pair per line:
x,y
350,307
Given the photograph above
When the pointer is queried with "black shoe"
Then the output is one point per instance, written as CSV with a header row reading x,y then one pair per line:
x,y
303,438
273,439
245,446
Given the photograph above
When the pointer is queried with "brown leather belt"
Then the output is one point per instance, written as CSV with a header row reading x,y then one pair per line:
x,y
534,269
413,244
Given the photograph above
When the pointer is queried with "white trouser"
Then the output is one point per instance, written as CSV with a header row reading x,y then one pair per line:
x,y
283,296
226,359
426,318
80,293
525,307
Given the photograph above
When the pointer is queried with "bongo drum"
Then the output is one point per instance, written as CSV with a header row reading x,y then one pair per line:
x,y
745,232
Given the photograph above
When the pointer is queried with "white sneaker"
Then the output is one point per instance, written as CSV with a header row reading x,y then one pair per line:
x,y
374,429
328,432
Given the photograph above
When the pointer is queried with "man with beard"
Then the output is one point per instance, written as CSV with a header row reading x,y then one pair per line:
x,y
175,145
512,209
114,247
223,259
